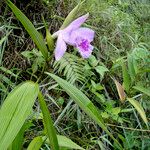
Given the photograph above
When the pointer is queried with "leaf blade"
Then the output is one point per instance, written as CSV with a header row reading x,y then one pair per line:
x,y
139,109
35,35
85,104
13,114
48,123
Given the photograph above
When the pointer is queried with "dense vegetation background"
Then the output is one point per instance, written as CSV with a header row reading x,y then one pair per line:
x,y
117,71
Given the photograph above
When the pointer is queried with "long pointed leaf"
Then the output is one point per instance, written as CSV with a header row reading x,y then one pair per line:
x,y
15,110
35,35
48,123
85,104
139,108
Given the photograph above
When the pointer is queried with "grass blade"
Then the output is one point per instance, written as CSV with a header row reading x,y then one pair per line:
x,y
139,108
35,35
85,104
48,123
126,78
142,89
15,110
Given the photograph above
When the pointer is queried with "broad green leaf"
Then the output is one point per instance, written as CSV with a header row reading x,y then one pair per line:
x,y
126,78
83,102
139,108
71,16
142,89
35,35
15,110
101,70
48,123
65,142
35,144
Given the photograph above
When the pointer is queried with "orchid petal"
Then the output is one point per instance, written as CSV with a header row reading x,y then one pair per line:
x,y
85,54
84,33
60,48
76,23
56,34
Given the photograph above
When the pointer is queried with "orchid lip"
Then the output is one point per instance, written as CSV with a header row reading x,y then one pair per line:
x,y
84,44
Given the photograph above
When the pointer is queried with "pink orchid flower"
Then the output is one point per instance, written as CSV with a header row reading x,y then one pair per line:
x,y
73,34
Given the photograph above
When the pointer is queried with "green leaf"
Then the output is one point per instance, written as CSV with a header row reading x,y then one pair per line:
x,y
18,142
48,123
50,41
140,53
101,70
83,102
132,66
35,35
35,144
93,61
7,71
142,89
63,141
139,108
15,110
126,78
71,16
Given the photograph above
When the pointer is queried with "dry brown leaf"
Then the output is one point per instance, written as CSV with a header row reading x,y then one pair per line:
x,y
120,90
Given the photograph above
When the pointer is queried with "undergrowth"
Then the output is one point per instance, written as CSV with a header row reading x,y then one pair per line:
x,y
117,70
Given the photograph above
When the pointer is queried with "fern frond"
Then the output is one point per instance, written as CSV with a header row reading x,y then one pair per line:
x,y
72,67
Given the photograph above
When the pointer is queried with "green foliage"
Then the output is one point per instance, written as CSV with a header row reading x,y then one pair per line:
x,y
48,123
71,16
35,144
121,52
36,58
17,144
15,110
72,67
67,143
85,104
35,35
139,108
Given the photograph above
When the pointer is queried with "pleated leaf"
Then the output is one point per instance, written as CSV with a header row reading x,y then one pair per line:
x,y
35,35
15,110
